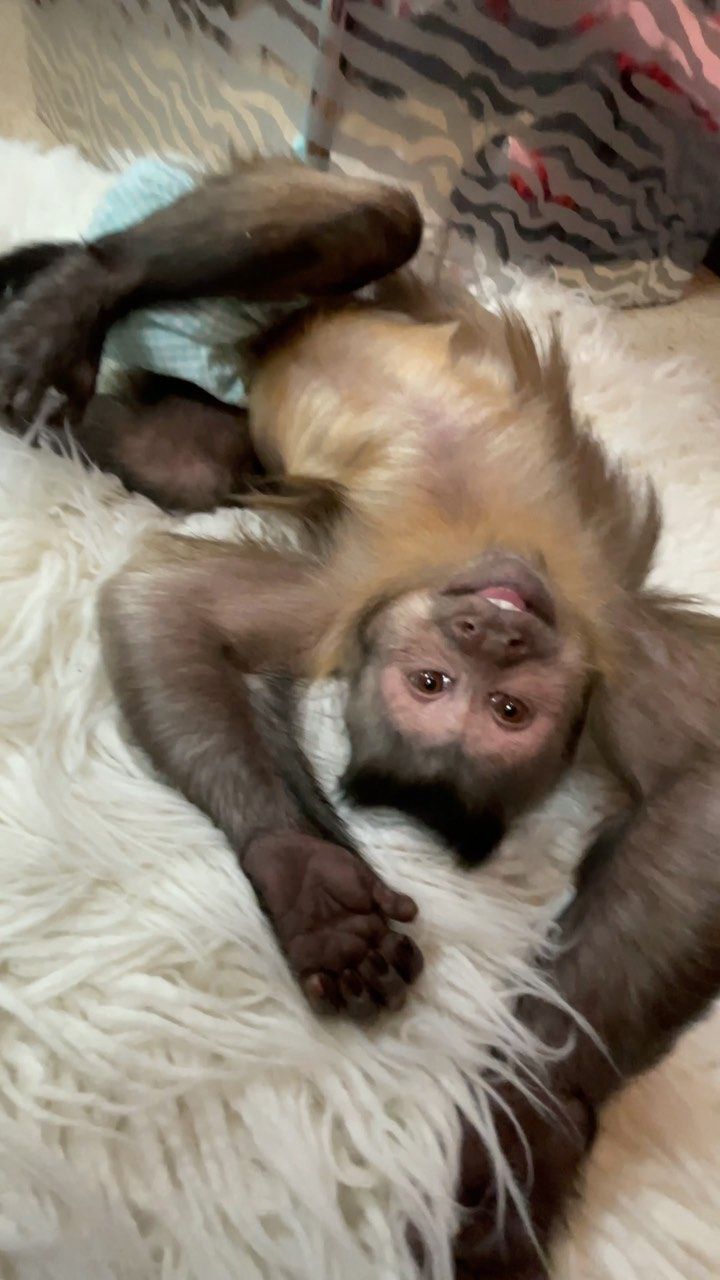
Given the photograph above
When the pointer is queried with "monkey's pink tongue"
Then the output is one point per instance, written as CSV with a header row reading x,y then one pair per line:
x,y
504,598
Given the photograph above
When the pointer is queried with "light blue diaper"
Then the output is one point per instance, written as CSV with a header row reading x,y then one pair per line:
x,y
196,341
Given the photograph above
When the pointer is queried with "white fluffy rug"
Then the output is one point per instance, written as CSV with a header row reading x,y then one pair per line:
x,y
168,1107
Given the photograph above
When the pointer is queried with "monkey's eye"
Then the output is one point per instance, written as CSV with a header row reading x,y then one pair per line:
x,y
429,683
509,711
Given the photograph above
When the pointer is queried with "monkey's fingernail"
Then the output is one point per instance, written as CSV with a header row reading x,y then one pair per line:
x,y
379,963
409,960
321,993
316,992
316,987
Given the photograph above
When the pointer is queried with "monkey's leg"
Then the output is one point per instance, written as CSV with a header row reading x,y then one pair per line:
x,y
638,949
192,634
189,452
270,230
184,450
639,958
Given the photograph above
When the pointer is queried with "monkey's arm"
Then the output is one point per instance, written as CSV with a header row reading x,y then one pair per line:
x,y
201,641
639,947
270,230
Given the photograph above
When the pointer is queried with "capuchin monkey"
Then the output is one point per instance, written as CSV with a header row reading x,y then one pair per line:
x,y
474,566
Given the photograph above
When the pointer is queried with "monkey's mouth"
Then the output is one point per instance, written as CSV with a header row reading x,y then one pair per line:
x,y
529,597
504,597
508,583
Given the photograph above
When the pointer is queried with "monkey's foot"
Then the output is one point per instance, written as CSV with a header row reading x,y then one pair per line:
x,y
332,916
50,336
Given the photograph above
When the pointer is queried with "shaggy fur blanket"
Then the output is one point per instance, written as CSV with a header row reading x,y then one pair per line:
x,y
168,1106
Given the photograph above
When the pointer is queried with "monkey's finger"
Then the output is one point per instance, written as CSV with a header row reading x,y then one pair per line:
x,y
385,983
396,906
78,385
9,388
402,953
22,385
358,1000
22,398
321,992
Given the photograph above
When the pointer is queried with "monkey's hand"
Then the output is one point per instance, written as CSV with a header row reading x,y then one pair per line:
x,y
51,335
545,1150
332,916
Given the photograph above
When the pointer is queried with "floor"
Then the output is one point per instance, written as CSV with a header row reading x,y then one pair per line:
x,y
17,109
651,331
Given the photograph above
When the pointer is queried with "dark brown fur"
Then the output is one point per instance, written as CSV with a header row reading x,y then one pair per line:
x,y
639,954
171,442
203,641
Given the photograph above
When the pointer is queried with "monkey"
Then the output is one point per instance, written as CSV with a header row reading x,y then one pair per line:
x,y
479,581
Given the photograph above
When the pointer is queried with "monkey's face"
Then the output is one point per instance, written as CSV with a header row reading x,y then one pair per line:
x,y
467,702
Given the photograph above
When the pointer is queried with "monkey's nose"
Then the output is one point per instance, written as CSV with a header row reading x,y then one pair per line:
x,y
493,638
465,628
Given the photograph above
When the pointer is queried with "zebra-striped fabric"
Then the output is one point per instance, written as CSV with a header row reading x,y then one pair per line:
x,y
577,134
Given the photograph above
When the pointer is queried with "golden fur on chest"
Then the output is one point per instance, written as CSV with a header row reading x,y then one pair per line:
x,y
446,440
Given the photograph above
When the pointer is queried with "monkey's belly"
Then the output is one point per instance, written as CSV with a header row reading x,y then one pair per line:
x,y
350,398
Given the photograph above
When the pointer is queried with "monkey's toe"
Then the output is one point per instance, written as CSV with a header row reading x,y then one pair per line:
x,y
23,386
404,955
394,905
357,998
321,992
385,983
379,981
